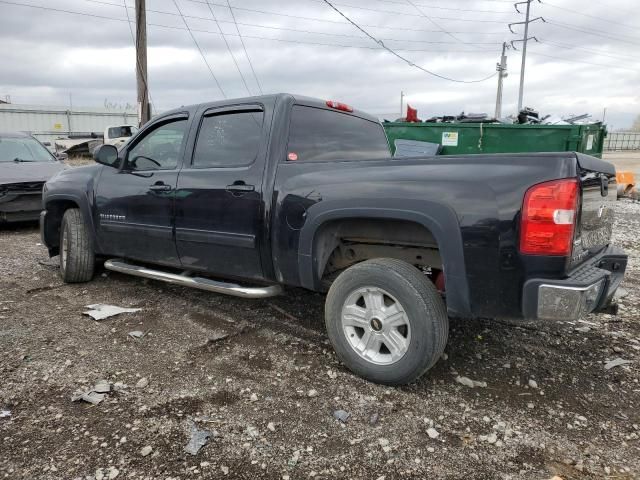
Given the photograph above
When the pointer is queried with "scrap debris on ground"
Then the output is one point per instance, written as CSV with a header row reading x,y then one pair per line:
x,y
467,382
561,398
97,393
199,438
101,311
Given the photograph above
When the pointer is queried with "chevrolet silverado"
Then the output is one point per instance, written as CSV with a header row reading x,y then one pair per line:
x,y
246,196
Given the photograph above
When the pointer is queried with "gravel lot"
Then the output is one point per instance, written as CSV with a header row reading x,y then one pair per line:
x,y
262,375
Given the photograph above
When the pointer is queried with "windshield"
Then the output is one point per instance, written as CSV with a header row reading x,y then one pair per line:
x,y
25,149
123,131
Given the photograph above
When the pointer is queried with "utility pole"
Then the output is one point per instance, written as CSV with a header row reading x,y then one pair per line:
x,y
524,41
401,102
144,109
502,74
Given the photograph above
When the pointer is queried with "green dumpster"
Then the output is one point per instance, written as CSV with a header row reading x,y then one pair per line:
x,y
469,138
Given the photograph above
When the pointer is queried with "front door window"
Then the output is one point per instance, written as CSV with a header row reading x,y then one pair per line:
x,y
160,149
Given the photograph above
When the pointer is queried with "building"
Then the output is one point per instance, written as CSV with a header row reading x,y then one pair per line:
x,y
48,123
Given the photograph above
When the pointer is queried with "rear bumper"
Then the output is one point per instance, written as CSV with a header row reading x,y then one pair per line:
x,y
590,288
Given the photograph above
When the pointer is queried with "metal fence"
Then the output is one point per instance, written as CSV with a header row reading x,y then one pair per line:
x,y
622,141
49,123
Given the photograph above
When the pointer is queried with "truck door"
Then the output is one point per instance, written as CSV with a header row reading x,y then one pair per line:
x,y
219,202
135,204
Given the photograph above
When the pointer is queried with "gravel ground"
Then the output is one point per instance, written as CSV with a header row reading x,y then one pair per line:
x,y
262,378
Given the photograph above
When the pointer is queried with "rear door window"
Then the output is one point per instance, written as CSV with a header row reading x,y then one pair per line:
x,y
228,140
323,135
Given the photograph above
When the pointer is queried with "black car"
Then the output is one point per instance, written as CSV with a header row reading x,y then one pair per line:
x,y
25,164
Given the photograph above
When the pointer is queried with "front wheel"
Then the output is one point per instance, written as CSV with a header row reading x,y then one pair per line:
x,y
386,321
77,259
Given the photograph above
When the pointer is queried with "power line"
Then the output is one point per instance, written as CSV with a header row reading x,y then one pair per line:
x,y
300,42
406,14
213,15
589,16
200,50
470,10
422,14
590,31
583,62
246,54
409,62
402,2
569,46
342,23
270,27
315,32
61,10
255,37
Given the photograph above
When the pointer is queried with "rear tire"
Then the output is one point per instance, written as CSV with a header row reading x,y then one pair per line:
x,y
77,259
386,321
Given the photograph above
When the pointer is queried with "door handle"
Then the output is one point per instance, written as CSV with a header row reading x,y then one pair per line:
x,y
240,187
160,187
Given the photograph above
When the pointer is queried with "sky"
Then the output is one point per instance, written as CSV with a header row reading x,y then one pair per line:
x,y
586,59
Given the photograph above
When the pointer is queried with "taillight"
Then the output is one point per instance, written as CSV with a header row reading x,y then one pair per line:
x,y
549,216
339,106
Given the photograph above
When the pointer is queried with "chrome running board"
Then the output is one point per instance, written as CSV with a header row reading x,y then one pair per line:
x,y
207,284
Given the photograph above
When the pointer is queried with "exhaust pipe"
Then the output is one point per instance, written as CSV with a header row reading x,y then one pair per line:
x,y
193,282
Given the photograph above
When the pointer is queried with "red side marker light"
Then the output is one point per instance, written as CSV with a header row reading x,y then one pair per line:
x,y
292,156
339,106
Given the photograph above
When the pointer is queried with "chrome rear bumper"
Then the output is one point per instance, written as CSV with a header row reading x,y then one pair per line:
x,y
590,288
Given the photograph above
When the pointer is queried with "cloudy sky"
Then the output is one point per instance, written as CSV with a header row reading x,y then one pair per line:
x,y
587,58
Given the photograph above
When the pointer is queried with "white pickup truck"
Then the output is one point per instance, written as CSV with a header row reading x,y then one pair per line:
x,y
86,143
118,135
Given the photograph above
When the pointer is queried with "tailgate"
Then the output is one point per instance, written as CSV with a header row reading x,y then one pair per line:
x,y
595,220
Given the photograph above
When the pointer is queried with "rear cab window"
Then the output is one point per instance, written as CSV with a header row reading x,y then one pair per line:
x,y
317,134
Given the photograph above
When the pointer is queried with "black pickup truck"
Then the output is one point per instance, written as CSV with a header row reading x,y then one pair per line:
x,y
283,190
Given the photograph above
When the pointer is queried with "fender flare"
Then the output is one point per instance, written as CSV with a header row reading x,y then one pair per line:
x,y
439,219
83,204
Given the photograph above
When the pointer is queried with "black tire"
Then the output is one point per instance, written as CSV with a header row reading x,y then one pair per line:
x,y
424,308
77,259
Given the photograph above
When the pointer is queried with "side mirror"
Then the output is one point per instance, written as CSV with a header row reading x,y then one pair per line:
x,y
61,156
106,155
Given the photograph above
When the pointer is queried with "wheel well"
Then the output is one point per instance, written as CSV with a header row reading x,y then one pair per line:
x,y
341,243
55,212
